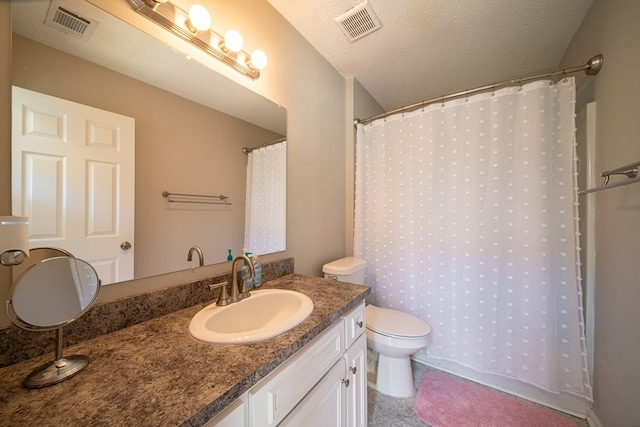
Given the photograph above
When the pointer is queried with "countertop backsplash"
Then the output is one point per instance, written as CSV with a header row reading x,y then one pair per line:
x,y
18,345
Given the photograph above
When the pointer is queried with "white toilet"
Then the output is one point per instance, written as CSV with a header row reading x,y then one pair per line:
x,y
392,335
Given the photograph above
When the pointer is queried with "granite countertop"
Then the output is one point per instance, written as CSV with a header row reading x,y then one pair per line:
x,y
155,374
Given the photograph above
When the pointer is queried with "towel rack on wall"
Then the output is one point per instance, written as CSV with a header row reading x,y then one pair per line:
x,y
196,198
631,172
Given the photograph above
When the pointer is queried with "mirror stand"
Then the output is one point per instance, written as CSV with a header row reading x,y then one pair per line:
x,y
59,370
48,293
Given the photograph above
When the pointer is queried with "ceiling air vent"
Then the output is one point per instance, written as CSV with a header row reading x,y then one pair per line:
x,y
359,21
67,21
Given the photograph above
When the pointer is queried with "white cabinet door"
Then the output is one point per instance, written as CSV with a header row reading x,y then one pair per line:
x,y
73,176
356,359
324,405
354,323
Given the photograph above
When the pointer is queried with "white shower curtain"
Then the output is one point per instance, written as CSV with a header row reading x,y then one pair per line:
x,y
266,199
467,215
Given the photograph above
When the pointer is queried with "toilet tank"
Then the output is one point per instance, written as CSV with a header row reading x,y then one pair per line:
x,y
349,269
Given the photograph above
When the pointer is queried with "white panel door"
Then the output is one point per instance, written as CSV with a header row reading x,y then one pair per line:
x,y
73,176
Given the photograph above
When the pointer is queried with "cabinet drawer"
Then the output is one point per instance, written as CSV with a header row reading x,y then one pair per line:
x,y
272,399
354,324
233,415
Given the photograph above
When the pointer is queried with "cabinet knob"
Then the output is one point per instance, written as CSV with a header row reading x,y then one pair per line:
x,y
353,370
345,382
359,324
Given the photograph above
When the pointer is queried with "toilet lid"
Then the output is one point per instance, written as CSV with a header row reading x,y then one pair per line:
x,y
394,322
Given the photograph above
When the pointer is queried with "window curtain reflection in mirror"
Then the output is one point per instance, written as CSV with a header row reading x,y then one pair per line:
x,y
466,212
266,203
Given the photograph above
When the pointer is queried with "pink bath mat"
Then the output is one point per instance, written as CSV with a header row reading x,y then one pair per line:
x,y
446,401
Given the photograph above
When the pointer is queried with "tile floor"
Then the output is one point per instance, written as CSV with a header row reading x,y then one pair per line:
x,y
385,411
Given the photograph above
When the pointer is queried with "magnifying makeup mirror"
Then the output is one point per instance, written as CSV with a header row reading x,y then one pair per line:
x,y
52,290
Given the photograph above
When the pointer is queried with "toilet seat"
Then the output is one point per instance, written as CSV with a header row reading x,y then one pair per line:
x,y
395,324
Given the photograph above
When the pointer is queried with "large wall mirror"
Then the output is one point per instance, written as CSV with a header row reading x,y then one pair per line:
x,y
191,124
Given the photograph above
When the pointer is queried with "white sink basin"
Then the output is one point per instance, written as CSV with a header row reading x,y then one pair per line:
x,y
265,314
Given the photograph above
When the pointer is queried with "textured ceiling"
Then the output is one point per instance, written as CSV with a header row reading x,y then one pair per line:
x,y
425,48
428,48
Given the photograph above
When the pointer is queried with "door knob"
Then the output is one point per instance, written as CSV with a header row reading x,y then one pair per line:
x,y
125,246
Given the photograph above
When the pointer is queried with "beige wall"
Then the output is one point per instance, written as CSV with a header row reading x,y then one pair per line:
x,y
5,128
313,93
612,28
360,105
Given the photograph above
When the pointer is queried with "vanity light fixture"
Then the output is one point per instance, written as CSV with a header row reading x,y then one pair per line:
x,y
258,59
194,27
232,42
199,18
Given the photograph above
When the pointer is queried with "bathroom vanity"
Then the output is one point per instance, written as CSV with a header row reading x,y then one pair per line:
x,y
155,374
324,384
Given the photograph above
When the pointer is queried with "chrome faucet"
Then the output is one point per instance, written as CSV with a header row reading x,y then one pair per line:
x,y
239,292
200,256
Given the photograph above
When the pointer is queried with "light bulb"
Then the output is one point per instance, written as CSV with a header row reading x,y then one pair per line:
x,y
199,18
233,41
259,59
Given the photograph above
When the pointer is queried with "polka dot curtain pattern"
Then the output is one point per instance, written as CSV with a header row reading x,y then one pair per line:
x,y
266,199
466,212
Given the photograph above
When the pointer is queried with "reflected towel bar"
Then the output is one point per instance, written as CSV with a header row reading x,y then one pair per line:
x,y
196,198
247,150
631,172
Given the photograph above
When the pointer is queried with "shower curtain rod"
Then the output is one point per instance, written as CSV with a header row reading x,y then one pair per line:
x,y
592,67
247,150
